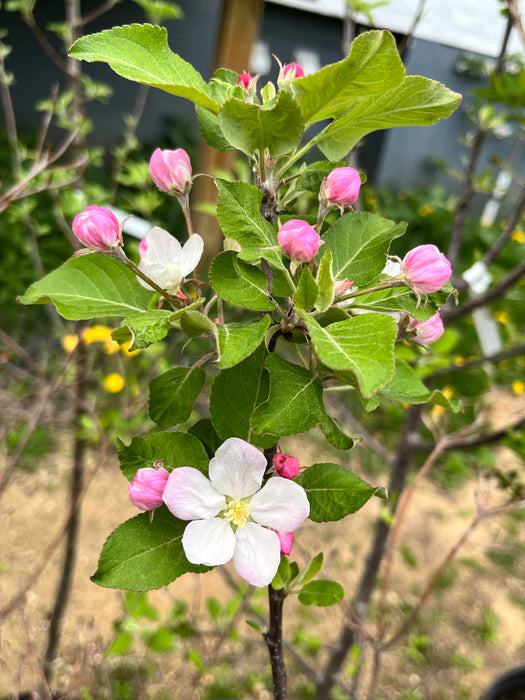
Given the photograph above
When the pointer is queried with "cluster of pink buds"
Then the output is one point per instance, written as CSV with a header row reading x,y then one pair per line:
x,y
147,487
171,171
299,241
340,188
98,229
425,269
286,465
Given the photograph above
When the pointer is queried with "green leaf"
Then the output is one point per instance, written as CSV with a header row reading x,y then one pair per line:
x,y
238,340
235,395
175,449
333,492
277,126
143,329
160,639
211,130
90,286
311,571
140,52
322,593
335,436
172,395
140,556
406,386
372,67
206,433
307,290
363,344
195,323
359,243
326,282
283,574
240,218
295,402
416,102
239,283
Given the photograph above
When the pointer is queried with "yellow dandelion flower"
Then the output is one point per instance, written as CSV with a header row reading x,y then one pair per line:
x,y
459,361
69,342
425,210
125,349
518,237
518,387
485,222
96,334
502,317
113,383
110,346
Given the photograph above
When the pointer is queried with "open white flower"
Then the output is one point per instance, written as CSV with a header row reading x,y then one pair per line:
x,y
165,261
232,516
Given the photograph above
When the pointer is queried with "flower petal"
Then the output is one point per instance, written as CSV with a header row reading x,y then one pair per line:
x,y
281,504
237,469
190,495
162,246
210,542
257,554
191,254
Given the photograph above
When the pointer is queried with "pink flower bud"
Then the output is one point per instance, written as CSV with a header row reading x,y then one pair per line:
x,y
285,540
245,80
299,240
147,488
293,70
341,187
288,74
171,171
425,269
428,331
286,465
97,228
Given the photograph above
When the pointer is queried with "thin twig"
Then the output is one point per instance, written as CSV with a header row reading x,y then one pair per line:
x,y
512,223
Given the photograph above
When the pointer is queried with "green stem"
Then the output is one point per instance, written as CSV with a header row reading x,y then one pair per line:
x,y
377,288
172,300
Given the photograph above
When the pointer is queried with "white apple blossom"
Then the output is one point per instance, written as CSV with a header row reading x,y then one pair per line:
x,y
232,517
165,261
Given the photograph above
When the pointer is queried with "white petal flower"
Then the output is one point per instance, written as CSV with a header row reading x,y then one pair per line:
x,y
232,516
165,261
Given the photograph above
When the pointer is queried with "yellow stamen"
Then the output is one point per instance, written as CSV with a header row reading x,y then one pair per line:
x,y
237,512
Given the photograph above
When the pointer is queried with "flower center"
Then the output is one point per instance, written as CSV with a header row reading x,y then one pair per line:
x,y
237,512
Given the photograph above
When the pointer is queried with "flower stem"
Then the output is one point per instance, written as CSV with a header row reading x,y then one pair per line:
x,y
379,287
175,303
274,641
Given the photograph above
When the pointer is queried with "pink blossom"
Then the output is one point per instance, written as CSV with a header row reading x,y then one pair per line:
x,y
341,187
286,465
165,261
299,240
428,331
147,488
171,171
286,541
231,516
426,269
98,228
